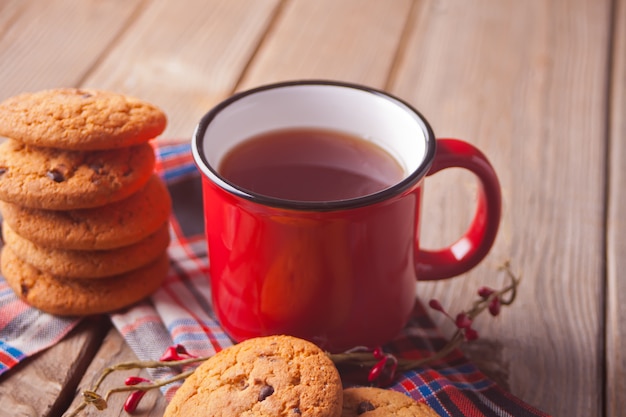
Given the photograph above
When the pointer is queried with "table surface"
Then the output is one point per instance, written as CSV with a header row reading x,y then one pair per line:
x,y
539,86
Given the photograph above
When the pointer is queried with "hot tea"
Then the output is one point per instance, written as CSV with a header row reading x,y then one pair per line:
x,y
307,164
312,199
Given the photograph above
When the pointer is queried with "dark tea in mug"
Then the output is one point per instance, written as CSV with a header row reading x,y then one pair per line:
x,y
307,164
312,193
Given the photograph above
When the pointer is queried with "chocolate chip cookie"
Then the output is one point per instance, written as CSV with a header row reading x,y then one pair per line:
x,y
80,119
267,376
378,402
80,297
54,179
117,224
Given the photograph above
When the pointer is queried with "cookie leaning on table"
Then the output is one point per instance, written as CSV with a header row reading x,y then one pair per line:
x,y
75,297
80,119
117,224
55,179
278,376
92,264
378,402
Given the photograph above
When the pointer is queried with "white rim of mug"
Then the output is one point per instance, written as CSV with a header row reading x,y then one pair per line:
x,y
407,182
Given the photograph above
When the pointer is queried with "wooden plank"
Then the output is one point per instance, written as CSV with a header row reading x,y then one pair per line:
x,y
44,384
36,52
616,225
9,12
185,56
351,40
525,81
114,350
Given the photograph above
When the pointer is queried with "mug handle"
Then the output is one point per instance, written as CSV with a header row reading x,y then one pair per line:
x,y
474,245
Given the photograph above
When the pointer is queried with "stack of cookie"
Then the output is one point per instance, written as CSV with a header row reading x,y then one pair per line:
x,y
85,218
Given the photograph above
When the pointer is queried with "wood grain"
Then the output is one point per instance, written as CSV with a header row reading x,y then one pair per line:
x,y
44,384
36,52
350,40
113,351
9,12
185,56
525,82
616,224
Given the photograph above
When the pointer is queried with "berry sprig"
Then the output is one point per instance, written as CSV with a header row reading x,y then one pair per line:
x,y
381,367
173,357
489,299
174,353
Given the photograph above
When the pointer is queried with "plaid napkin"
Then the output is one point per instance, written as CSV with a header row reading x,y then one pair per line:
x,y
180,313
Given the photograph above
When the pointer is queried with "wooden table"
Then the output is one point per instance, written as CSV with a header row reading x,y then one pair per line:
x,y
538,85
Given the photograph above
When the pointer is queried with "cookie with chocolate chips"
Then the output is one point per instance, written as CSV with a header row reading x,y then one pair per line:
x,y
118,224
55,179
81,297
80,119
378,402
278,376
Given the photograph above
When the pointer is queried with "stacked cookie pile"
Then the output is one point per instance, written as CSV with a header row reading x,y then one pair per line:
x,y
282,376
85,218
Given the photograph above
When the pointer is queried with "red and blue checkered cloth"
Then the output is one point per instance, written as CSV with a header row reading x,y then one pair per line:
x,y
180,313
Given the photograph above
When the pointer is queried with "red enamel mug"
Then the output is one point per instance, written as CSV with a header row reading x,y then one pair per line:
x,y
341,273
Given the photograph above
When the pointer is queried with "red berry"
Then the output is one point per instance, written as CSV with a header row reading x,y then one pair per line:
x,y
378,353
470,334
463,321
175,353
133,401
494,306
485,292
435,305
134,380
170,354
377,370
